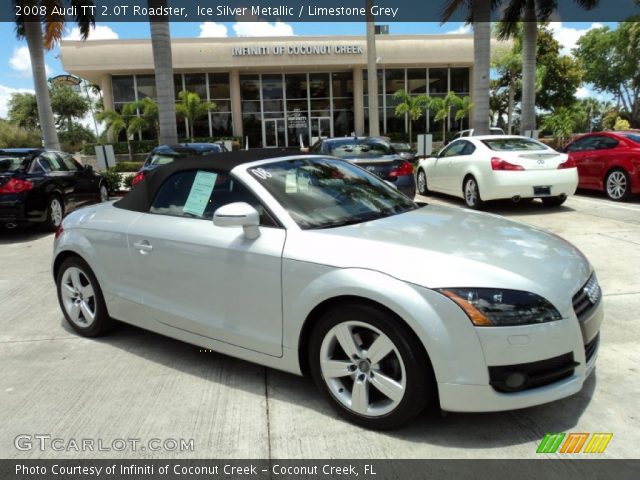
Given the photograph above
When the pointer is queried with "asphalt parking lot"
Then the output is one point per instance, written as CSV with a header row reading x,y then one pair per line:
x,y
136,384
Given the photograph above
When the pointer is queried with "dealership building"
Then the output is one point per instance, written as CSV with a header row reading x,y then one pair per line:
x,y
275,91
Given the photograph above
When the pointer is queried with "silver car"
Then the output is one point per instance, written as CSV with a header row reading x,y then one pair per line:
x,y
311,265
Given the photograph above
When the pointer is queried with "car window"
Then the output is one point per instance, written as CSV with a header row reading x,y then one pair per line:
x,y
50,162
380,148
69,162
634,137
469,148
10,163
605,143
454,149
585,143
199,193
514,144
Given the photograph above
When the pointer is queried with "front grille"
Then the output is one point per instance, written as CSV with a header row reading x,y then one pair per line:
x,y
591,347
536,374
587,298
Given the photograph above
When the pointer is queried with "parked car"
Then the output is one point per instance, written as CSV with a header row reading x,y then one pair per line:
x,y
469,133
165,154
40,186
374,154
406,150
608,162
494,167
309,264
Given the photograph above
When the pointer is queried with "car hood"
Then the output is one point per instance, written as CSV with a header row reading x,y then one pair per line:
x,y
438,247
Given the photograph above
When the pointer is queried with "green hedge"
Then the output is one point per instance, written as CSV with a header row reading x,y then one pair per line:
x,y
127,167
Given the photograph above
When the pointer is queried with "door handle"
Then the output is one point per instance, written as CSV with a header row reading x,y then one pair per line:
x,y
143,246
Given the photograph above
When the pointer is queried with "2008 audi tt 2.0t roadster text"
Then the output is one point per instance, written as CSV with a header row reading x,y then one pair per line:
x,y
310,264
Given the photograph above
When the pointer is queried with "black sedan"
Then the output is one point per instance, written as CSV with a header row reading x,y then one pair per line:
x,y
40,186
374,154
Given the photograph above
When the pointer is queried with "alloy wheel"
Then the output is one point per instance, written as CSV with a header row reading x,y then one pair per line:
x,y
471,192
617,185
78,297
363,369
55,208
104,193
422,183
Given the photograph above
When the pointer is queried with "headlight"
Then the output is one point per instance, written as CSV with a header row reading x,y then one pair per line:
x,y
488,307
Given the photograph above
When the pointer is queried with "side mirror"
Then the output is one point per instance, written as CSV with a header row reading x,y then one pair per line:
x,y
88,168
239,214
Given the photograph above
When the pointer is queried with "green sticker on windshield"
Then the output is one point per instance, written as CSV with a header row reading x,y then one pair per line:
x,y
200,193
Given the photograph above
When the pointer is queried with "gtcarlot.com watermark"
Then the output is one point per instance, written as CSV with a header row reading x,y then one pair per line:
x,y
44,442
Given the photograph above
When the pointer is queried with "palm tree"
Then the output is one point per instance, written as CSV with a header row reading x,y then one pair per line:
x,y
148,115
464,107
411,105
562,123
30,28
163,64
126,121
531,12
442,107
480,14
192,108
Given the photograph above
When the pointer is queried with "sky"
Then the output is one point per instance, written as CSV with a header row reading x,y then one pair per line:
x,y
15,67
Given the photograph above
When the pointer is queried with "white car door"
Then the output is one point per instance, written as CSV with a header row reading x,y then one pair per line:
x,y
441,178
459,166
209,280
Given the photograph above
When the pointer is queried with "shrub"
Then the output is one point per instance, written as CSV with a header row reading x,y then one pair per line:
x,y
128,180
127,166
112,179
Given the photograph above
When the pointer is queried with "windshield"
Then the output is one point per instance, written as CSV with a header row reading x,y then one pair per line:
x,y
634,137
325,193
510,144
354,148
10,164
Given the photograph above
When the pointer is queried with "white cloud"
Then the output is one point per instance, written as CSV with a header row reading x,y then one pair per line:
x,y
213,29
21,62
583,92
568,36
99,32
5,95
461,30
263,29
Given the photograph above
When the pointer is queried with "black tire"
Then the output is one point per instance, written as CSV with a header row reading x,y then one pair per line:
x,y
471,193
101,322
617,185
413,368
554,201
103,193
421,182
54,216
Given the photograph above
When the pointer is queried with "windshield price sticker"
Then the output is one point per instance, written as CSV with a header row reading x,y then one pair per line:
x,y
200,193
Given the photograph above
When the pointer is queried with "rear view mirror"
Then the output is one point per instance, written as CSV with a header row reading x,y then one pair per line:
x,y
239,214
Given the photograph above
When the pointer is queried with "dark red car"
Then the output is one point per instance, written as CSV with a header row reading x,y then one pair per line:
x,y
608,161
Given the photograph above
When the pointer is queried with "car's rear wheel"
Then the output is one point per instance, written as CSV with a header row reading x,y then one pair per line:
x,y
372,372
554,201
617,185
423,189
104,193
81,298
55,213
472,193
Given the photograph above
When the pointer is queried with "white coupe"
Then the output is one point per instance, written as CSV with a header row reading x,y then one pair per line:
x,y
496,167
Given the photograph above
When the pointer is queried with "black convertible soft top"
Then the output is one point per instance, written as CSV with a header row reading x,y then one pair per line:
x,y
140,197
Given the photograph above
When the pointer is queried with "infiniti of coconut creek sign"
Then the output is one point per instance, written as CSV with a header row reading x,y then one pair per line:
x,y
316,49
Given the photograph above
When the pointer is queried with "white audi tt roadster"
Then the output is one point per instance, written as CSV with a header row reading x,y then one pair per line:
x,y
310,264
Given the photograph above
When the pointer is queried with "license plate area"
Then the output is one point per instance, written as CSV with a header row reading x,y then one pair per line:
x,y
542,191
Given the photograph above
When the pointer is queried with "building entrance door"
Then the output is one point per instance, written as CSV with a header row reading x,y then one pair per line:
x,y
275,133
321,127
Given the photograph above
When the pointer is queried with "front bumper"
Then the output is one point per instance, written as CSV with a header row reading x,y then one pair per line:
x,y
521,184
513,346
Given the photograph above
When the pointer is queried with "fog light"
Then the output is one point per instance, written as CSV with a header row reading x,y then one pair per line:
x,y
516,380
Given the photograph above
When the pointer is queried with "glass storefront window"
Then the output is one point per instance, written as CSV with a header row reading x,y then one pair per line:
x,y
197,83
460,80
342,84
221,125
417,81
122,87
319,85
272,88
252,128
249,87
394,81
296,85
438,80
219,86
365,82
177,84
146,85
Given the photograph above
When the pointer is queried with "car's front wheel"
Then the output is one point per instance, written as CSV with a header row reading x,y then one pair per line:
x,y
81,299
617,185
472,193
372,371
423,189
104,193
